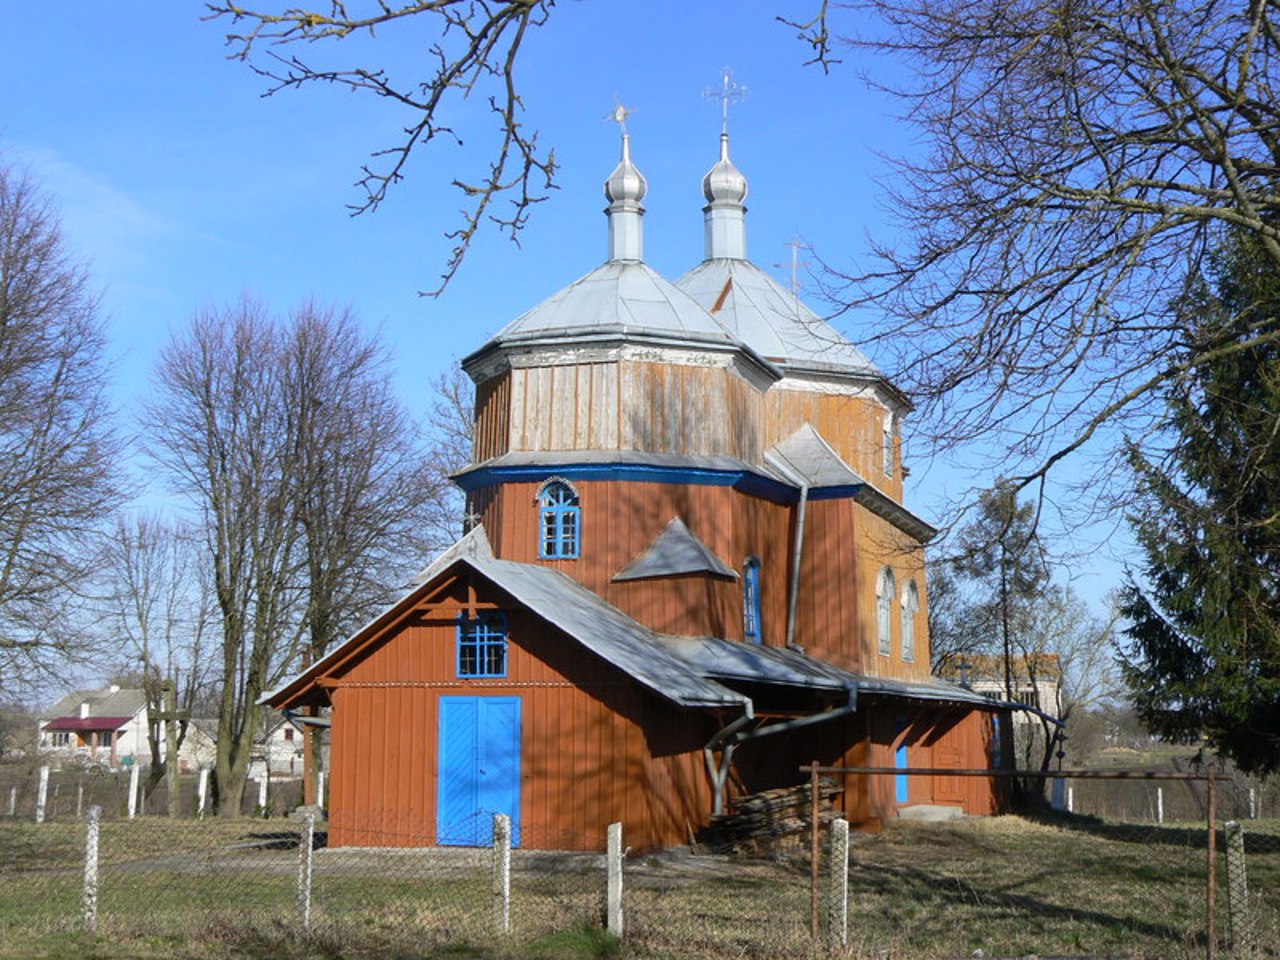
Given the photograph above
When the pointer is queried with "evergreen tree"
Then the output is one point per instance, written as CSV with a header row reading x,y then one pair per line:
x,y
1203,656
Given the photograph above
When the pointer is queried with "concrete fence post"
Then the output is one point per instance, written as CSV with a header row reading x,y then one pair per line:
x,y
1071,799
320,789
42,794
838,885
89,907
613,892
306,841
262,795
502,873
79,799
1239,913
133,790
13,801
1159,804
1253,803
202,792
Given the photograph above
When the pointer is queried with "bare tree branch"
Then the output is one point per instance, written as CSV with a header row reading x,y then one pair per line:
x,y
1082,156
478,44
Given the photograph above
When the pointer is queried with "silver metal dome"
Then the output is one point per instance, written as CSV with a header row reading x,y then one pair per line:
x,y
724,183
626,184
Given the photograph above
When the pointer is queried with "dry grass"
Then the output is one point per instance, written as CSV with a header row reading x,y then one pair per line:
x,y
1006,886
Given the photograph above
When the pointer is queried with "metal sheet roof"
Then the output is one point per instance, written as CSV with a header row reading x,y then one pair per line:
x,y
806,453
620,296
756,663
772,320
676,551
600,627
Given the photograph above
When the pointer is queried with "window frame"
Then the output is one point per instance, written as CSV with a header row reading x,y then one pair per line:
x,y
479,638
559,521
910,615
886,592
752,609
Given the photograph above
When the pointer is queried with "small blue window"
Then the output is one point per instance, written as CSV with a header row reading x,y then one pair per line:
x,y
752,630
559,517
482,646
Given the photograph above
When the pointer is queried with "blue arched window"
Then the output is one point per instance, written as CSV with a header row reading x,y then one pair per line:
x,y
560,522
752,622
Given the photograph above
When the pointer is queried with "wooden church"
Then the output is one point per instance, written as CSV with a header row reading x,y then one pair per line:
x,y
688,571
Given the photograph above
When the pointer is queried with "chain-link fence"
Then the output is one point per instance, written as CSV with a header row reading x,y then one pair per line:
x,y
1055,883
1060,882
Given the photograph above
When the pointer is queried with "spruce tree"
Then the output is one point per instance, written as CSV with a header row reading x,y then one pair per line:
x,y
1203,657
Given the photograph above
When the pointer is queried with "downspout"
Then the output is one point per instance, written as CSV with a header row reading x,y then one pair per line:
x,y
725,742
793,600
850,707
728,739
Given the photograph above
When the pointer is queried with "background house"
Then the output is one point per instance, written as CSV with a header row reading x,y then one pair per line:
x,y
103,726
1037,681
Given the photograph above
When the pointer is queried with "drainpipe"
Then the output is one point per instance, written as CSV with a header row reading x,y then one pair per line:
x,y
798,551
850,707
725,742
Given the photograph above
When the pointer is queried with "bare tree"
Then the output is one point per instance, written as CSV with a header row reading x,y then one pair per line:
x,y
1080,157
451,427
159,607
365,492
312,487
218,427
475,51
56,448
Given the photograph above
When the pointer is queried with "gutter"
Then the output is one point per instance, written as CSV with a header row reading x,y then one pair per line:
x,y
798,550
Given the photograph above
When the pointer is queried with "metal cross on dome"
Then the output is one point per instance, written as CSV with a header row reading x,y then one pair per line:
x,y
727,92
620,114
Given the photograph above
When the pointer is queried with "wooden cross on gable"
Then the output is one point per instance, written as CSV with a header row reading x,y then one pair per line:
x,y
727,92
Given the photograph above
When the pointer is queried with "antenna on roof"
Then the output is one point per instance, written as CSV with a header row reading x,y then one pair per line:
x,y
796,245
727,92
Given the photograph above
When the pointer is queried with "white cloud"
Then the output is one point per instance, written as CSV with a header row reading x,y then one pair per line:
x,y
102,224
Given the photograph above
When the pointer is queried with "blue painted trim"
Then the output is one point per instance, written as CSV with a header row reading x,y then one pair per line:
x,y
479,641
742,480
559,522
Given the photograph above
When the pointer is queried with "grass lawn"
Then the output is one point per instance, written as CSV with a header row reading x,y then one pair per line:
x,y
1007,886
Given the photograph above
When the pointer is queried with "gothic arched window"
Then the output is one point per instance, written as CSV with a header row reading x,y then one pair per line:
x,y
560,522
885,593
910,611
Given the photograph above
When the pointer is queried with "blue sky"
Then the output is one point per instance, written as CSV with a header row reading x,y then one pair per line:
x,y
182,187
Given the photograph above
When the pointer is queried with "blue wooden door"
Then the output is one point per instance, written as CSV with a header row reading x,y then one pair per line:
x,y
901,786
479,771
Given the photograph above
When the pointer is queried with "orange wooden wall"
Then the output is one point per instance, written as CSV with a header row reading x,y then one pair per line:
x,y
595,747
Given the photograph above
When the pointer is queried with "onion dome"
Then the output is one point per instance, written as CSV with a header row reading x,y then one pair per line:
x,y
724,183
725,188
624,190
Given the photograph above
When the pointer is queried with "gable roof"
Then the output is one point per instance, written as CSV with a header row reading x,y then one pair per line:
x,y
676,551
107,702
807,456
597,625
